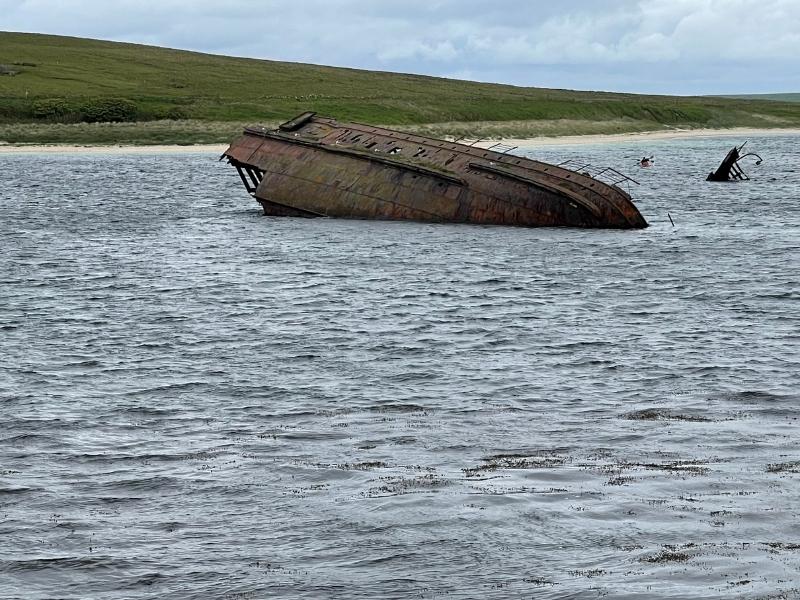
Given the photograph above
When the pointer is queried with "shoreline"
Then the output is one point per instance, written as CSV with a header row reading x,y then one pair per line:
x,y
534,142
112,149
644,136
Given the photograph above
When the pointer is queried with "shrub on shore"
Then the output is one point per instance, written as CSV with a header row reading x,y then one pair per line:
x,y
109,110
94,110
51,109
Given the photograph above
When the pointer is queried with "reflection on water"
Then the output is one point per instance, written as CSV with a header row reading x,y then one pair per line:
x,y
198,401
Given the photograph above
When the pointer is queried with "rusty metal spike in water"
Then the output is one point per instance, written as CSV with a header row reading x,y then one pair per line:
x,y
315,166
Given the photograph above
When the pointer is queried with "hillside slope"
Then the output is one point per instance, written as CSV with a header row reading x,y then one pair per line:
x,y
787,97
49,82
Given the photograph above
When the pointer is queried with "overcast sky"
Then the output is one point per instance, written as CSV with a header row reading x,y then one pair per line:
x,y
656,46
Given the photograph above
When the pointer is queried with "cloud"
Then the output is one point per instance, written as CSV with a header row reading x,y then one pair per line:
x,y
682,46
401,49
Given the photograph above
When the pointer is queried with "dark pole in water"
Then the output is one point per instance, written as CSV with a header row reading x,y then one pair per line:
x,y
670,219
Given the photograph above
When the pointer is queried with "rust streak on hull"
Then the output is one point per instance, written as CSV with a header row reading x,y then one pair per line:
x,y
316,166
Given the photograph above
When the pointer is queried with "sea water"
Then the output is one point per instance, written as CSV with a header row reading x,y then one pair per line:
x,y
197,401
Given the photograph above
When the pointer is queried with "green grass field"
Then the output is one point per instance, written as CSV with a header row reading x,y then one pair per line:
x,y
50,85
775,97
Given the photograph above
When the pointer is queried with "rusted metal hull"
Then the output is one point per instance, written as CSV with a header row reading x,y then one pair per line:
x,y
314,166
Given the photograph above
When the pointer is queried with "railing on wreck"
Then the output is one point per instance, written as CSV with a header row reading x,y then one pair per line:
x,y
607,175
497,147
251,176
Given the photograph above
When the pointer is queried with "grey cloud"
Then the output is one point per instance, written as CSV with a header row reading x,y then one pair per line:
x,y
678,46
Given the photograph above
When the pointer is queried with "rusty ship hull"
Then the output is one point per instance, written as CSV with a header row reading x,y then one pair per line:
x,y
315,166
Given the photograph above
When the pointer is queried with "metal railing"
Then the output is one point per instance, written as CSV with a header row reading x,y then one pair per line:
x,y
607,175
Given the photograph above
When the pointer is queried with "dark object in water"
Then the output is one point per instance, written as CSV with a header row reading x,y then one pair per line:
x,y
315,166
729,169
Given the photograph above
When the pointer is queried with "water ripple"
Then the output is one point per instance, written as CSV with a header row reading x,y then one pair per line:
x,y
202,402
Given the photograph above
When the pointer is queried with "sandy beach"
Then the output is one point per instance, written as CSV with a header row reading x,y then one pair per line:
x,y
521,143
672,134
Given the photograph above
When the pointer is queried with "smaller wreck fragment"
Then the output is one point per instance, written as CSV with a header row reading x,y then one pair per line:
x,y
729,169
315,166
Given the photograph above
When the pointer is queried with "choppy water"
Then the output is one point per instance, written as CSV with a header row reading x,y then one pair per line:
x,y
201,402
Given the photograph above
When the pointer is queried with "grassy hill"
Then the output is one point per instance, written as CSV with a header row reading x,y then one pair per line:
x,y
790,97
61,89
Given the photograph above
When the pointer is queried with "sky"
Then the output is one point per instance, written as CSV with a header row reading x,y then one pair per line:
x,y
656,46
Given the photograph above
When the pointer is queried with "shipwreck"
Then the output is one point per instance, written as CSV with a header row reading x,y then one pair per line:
x,y
315,166
730,169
